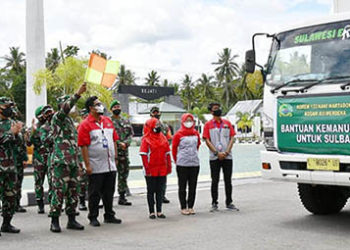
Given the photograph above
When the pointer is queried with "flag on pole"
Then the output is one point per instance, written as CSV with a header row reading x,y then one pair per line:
x,y
101,71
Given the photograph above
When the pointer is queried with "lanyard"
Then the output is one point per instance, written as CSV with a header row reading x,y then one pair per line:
x,y
101,127
220,129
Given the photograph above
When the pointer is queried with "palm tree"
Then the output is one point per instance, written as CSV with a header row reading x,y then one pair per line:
x,y
125,76
152,79
71,50
226,72
187,92
206,88
15,61
244,121
165,83
53,59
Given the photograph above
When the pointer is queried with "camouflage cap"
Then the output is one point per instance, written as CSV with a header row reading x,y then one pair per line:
x,y
5,100
113,103
38,111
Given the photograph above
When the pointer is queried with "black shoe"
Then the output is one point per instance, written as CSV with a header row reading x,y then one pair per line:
x,y
20,209
113,220
152,216
214,207
100,206
94,223
124,202
73,224
55,225
161,216
41,209
232,207
82,206
165,200
7,227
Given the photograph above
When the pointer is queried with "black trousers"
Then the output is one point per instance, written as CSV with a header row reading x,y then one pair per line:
x,y
155,188
101,186
187,176
215,167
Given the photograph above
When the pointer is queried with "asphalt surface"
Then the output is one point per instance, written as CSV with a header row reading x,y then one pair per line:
x,y
270,217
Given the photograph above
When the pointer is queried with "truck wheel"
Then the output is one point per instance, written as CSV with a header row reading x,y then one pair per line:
x,y
322,199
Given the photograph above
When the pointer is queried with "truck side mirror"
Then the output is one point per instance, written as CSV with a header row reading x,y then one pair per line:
x,y
250,61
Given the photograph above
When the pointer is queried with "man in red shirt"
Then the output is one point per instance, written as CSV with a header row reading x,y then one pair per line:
x,y
98,139
219,137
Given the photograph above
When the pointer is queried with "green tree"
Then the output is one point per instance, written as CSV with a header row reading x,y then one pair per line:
x,y
66,79
206,89
125,76
187,91
245,122
71,50
15,61
152,79
53,58
226,71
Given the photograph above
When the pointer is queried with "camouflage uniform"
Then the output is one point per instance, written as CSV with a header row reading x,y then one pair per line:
x,y
64,159
125,133
8,174
40,158
20,152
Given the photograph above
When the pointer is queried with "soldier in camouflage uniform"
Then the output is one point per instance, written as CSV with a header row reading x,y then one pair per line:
x,y
125,133
21,156
83,179
8,177
64,163
41,152
167,132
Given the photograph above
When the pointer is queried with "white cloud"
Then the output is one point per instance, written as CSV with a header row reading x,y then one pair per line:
x,y
173,36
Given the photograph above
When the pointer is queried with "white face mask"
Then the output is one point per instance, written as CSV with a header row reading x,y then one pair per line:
x,y
99,109
188,124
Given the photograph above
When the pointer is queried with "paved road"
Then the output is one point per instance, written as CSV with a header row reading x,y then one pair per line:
x,y
271,217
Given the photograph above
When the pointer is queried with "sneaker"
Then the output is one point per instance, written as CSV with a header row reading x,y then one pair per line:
x,y
94,223
214,207
165,200
232,207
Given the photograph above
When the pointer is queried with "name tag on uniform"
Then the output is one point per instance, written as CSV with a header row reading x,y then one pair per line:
x,y
104,142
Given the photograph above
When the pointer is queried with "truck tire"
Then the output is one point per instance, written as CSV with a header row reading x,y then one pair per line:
x,y
322,199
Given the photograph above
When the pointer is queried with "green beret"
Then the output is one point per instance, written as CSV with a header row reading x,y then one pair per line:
x,y
113,103
38,111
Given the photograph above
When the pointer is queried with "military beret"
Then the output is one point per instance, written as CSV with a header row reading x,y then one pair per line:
x,y
113,103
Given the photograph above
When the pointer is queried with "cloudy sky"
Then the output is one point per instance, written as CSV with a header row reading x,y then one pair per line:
x,y
173,37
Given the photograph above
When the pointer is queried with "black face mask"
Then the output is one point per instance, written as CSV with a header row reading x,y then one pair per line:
x,y
217,112
117,111
156,116
157,130
7,112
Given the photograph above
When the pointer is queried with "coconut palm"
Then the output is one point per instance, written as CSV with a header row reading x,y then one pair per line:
x,y
187,92
15,61
53,59
125,76
206,87
152,79
226,71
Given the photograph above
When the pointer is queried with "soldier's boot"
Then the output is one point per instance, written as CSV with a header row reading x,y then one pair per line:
x,y
73,224
55,225
123,201
7,227
82,206
19,208
41,209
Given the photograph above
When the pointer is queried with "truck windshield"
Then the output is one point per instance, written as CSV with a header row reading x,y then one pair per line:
x,y
311,53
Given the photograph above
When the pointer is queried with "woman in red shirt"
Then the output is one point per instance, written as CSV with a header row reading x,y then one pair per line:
x,y
155,153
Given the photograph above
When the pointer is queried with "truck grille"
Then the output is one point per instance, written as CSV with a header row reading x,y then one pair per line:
x,y
293,165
